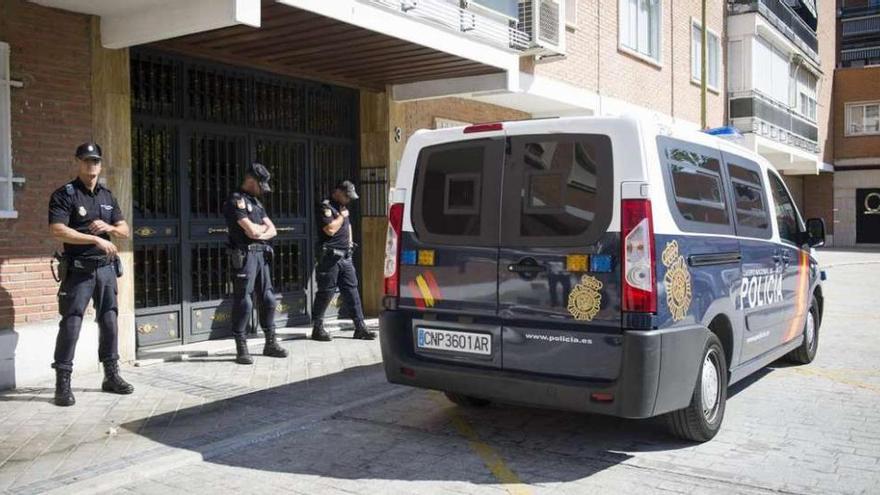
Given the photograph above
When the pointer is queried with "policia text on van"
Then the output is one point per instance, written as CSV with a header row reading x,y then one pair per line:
x,y
594,264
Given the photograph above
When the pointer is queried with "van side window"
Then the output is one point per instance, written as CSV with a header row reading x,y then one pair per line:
x,y
752,215
786,213
696,184
451,189
554,189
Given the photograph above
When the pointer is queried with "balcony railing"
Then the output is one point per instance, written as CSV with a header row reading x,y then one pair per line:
x,y
859,11
480,23
752,111
860,27
784,19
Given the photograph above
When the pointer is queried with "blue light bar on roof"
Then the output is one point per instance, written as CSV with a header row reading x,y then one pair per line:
x,y
726,132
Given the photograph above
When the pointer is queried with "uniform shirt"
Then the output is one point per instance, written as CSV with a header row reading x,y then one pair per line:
x,y
77,207
328,210
240,205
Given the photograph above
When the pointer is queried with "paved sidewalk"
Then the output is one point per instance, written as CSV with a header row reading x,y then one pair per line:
x,y
185,406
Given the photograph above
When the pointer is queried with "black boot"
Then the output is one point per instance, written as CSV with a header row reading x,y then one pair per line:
x,y
242,356
63,395
318,332
361,332
272,349
113,382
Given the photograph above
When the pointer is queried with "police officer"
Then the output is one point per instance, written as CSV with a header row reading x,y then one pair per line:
x,y
250,230
84,215
335,267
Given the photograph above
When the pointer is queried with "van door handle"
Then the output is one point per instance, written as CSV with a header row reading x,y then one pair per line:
x,y
527,265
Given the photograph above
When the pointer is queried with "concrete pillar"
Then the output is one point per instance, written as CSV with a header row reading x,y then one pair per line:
x,y
111,128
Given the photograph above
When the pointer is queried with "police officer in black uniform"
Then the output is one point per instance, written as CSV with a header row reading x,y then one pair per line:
x,y
83,214
335,267
250,230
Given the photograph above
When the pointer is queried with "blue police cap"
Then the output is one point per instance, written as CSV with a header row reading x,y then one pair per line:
x,y
88,151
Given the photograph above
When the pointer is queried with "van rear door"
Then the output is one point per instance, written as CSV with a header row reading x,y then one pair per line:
x,y
449,263
558,267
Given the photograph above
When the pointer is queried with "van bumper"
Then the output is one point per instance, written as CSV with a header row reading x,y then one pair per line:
x,y
658,373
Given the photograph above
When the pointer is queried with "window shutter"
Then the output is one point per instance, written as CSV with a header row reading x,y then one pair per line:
x,y
7,209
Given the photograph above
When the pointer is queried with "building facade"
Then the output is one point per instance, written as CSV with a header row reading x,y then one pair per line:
x,y
857,125
182,97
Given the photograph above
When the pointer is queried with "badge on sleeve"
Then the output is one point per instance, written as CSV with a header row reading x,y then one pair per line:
x,y
240,204
250,208
82,211
328,213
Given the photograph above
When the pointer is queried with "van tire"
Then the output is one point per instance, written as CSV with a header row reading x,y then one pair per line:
x,y
466,400
806,352
693,422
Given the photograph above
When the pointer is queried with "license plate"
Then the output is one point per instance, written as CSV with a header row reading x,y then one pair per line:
x,y
447,340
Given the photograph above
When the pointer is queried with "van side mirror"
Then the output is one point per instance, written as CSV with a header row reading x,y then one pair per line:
x,y
815,234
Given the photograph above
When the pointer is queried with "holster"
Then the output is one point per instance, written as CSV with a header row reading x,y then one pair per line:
x,y
117,266
236,257
59,274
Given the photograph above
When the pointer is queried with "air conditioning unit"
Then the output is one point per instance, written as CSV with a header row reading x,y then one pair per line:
x,y
544,22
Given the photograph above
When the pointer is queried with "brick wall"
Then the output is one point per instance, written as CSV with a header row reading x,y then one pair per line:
x,y
51,115
593,60
819,191
854,85
421,114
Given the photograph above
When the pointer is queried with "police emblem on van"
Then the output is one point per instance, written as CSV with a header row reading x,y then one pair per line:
x,y
585,300
677,282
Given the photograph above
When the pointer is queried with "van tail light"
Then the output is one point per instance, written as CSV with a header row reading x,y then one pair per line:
x,y
637,229
392,250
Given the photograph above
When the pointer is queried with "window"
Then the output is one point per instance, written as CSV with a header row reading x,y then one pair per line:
x,y
786,213
770,71
806,93
639,27
452,188
557,190
713,56
752,216
7,207
862,119
695,186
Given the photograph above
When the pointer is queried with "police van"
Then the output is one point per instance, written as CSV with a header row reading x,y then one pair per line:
x,y
602,265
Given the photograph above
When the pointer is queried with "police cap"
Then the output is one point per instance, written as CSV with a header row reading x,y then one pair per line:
x,y
347,187
261,174
88,151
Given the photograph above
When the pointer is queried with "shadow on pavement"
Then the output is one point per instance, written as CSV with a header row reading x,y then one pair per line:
x,y
409,436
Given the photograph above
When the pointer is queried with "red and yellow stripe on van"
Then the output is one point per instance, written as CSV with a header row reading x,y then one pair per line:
x,y
802,295
425,290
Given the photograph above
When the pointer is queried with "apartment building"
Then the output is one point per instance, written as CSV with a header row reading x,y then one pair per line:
x,y
857,125
780,76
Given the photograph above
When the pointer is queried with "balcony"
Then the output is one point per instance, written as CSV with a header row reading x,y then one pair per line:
x,y
753,112
784,19
859,11
861,27
493,22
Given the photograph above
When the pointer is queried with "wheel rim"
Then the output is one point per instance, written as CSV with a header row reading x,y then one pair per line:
x,y
710,385
810,331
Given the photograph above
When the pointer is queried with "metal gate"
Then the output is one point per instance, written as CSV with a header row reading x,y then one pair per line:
x,y
195,126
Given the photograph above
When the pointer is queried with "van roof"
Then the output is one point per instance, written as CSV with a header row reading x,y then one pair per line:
x,y
648,126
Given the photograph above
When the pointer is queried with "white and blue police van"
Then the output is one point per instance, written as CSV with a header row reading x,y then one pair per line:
x,y
594,264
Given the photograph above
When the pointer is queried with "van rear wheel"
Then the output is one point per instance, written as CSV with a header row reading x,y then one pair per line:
x,y
466,400
806,352
701,419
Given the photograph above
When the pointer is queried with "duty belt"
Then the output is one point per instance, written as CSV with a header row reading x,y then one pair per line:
x,y
256,247
88,264
344,253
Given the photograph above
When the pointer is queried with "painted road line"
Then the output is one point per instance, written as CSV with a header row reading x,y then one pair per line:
x,y
835,377
487,454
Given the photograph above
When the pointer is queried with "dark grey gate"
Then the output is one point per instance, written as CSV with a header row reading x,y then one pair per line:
x,y
868,216
195,125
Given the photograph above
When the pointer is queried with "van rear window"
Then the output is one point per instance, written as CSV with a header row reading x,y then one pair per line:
x,y
555,189
454,185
